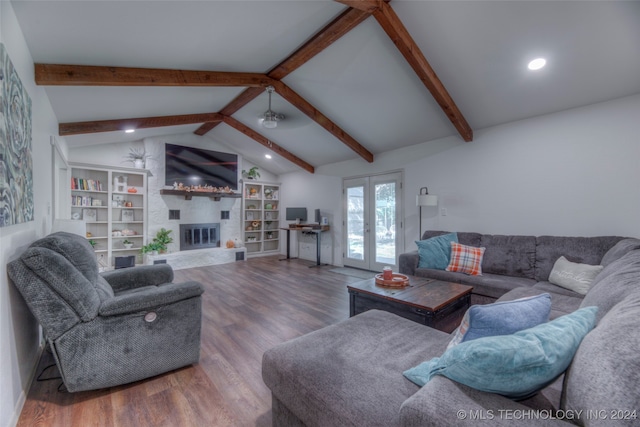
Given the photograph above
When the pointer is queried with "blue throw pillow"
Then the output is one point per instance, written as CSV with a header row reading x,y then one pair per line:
x,y
435,252
515,366
502,318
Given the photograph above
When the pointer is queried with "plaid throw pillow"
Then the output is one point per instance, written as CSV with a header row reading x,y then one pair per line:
x,y
466,259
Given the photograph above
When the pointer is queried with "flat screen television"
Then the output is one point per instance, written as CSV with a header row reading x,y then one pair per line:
x,y
195,166
293,214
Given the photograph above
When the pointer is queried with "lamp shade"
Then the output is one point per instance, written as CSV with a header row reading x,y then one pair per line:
x,y
426,200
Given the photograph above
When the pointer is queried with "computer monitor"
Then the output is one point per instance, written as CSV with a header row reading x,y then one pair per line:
x,y
294,214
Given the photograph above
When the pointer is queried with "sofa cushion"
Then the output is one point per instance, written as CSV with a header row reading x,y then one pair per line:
x,y
350,373
614,282
466,259
466,238
585,250
435,252
574,276
59,274
509,255
560,304
516,365
490,285
502,318
620,249
605,371
75,249
557,290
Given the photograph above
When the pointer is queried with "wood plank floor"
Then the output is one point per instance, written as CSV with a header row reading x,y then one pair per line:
x,y
248,307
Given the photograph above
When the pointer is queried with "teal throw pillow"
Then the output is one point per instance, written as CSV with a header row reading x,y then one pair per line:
x,y
516,366
502,318
435,252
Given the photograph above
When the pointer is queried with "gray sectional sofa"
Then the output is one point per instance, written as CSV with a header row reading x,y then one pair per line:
x,y
512,262
350,373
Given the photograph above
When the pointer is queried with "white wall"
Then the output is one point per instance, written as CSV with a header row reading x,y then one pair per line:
x,y
19,334
573,173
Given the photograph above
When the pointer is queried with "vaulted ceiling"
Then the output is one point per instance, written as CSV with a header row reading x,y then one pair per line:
x,y
353,78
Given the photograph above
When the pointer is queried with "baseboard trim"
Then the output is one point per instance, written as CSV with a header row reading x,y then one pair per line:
x,y
22,399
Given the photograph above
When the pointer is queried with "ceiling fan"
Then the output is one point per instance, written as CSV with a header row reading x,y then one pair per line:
x,y
270,118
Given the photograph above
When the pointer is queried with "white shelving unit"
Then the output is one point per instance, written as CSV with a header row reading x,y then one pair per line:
x,y
261,217
113,203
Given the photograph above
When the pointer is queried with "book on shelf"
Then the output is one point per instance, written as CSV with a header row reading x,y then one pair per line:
x,y
86,184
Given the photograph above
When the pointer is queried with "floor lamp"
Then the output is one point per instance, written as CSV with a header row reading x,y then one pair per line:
x,y
424,199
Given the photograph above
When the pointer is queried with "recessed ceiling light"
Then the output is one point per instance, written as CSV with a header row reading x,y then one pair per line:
x,y
536,64
129,130
268,156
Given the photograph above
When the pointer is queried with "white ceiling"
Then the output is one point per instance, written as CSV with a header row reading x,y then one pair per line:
x,y
479,49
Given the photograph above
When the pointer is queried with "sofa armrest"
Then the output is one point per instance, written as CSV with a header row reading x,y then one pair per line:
x,y
137,277
445,402
408,262
149,298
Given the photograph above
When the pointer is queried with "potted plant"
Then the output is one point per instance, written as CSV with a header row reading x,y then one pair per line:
x,y
93,243
152,248
159,243
163,238
137,156
252,173
127,244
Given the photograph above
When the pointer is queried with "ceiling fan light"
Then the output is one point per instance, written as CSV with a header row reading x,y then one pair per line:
x,y
269,123
271,119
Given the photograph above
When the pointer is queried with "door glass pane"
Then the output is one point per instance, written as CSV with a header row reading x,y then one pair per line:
x,y
355,222
385,220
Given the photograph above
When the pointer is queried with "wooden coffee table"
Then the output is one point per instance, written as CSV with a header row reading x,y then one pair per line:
x,y
440,305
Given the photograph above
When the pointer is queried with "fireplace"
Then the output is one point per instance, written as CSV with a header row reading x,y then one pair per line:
x,y
199,236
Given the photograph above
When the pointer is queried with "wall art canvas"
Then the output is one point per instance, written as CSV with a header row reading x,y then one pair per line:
x,y
16,166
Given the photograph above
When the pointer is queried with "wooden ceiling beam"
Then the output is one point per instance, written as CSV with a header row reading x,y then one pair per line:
x,y
237,103
395,29
96,126
90,75
301,104
341,25
267,143
331,32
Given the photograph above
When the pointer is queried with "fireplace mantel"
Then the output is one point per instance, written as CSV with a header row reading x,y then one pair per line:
x,y
189,194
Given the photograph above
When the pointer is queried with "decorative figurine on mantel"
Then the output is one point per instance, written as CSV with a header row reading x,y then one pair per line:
x,y
201,188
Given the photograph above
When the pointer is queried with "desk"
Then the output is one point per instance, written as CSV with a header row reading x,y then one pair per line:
x,y
314,229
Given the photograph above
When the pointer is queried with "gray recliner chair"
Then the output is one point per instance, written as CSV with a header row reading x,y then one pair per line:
x,y
111,328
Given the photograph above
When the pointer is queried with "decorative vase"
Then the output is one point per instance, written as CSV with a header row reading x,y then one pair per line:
x,y
138,164
128,245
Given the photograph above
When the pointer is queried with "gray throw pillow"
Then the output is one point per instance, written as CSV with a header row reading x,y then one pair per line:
x,y
574,276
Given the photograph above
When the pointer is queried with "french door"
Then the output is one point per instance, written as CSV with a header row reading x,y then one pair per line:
x,y
372,224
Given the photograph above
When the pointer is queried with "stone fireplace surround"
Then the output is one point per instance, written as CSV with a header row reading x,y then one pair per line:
x,y
198,210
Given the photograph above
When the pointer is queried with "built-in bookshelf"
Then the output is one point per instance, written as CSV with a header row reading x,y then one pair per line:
x,y
113,205
261,217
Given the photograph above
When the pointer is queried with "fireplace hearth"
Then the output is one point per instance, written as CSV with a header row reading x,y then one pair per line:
x,y
199,236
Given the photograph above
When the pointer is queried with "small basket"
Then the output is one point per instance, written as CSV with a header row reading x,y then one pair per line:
x,y
397,281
